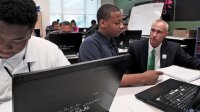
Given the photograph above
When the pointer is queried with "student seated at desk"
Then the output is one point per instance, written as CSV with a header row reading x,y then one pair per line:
x,y
153,53
54,26
74,26
19,51
101,44
65,27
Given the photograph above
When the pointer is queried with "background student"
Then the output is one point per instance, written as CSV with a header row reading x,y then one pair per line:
x,y
74,26
65,27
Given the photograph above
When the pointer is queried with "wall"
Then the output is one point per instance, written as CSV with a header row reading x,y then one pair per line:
x,y
192,25
45,10
107,2
128,4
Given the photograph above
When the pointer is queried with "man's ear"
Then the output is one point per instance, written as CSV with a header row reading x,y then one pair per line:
x,y
102,23
167,33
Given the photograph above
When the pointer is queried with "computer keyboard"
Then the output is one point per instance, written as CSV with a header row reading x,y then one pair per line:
x,y
180,97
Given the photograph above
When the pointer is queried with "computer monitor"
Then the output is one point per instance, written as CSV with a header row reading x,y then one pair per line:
x,y
69,43
88,86
130,36
83,30
49,31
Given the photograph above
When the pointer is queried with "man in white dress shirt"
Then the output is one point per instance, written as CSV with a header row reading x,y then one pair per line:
x,y
19,51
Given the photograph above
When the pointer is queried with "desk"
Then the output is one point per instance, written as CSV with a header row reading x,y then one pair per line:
x,y
122,51
74,58
125,100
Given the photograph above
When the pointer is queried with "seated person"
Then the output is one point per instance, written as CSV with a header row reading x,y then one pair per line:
x,y
74,26
92,28
65,27
93,24
102,44
141,65
19,51
54,26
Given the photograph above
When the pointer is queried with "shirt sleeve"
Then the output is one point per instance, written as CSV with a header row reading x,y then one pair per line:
x,y
89,50
58,58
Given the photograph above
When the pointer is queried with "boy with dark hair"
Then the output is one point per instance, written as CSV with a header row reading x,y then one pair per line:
x,y
19,51
101,43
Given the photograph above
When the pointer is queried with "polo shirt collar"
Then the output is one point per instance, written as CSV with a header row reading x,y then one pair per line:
x,y
31,51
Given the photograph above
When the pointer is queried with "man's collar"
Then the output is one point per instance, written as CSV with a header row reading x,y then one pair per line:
x,y
157,49
108,41
31,51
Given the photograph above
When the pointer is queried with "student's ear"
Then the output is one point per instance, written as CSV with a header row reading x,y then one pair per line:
x,y
32,30
102,23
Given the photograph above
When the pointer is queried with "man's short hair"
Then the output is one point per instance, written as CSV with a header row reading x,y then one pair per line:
x,y
105,10
163,21
65,23
55,23
18,12
93,21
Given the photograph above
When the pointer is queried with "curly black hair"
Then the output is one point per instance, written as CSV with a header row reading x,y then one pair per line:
x,y
105,10
18,12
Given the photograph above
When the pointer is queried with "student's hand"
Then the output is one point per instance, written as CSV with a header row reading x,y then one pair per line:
x,y
151,76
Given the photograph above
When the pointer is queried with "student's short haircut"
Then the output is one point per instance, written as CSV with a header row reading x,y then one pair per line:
x,y
55,23
93,21
104,11
18,12
66,23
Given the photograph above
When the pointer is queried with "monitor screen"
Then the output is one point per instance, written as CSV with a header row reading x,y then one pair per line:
x,y
49,30
130,36
88,86
83,30
69,43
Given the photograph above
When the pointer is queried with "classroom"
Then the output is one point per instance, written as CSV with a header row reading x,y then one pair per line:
x,y
99,56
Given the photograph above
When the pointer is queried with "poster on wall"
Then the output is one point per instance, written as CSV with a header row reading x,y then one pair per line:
x,y
142,17
168,9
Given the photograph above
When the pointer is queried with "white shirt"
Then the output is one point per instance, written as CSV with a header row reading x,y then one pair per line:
x,y
157,54
40,53
12,62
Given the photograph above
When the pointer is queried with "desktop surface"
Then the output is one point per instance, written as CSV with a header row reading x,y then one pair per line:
x,y
125,100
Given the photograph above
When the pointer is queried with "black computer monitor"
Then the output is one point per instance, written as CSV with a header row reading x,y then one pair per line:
x,y
69,43
130,36
88,86
49,31
83,30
